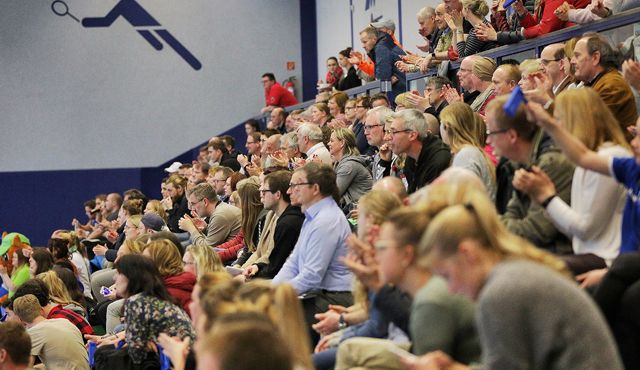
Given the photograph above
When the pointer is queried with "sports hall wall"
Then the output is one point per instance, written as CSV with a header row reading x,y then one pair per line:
x,y
92,106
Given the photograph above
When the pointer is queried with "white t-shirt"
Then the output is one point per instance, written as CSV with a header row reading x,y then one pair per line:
x,y
58,344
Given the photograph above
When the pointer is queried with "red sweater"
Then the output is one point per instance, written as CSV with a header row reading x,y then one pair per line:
x,y
545,21
180,287
228,251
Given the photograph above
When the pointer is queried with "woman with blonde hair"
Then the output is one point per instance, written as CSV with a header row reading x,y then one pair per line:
x,y
465,133
78,256
58,292
352,173
154,206
515,286
179,283
200,260
474,11
594,217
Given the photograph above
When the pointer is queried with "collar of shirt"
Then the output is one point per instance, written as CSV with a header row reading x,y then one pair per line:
x,y
313,211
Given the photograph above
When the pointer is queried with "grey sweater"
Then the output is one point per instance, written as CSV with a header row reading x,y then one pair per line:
x,y
530,317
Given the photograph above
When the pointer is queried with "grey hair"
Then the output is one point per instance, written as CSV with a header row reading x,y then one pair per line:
x,y
414,121
426,12
289,140
310,130
382,113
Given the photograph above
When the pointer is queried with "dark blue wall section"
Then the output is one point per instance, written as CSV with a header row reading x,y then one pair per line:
x,y
309,42
36,203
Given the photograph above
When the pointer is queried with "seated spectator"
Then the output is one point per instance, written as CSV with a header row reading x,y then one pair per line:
x,y
151,223
275,243
439,320
41,260
350,79
556,74
336,103
50,309
380,99
179,283
223,220
310,142
218,153
278,118
200,260
217,179
59,294
596,64
352,175
519,140
225,346
427,154
374,131
254,218
15,343
530,69
252,126
56,342
465,132
320,114
230,143
15,271
175,203
314,265
474,11
505,78
475,76
146,301
594,218
505,275
70,281
154,206
361,107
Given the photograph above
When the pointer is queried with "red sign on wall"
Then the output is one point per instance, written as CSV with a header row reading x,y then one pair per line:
x,y
291,66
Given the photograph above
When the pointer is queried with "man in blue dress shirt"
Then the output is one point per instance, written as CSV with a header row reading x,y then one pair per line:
x,y
314,268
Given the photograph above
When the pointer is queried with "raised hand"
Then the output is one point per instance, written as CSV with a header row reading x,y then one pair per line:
x,y
485,32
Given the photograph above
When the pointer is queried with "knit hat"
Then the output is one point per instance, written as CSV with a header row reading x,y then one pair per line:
x,y
153,221
483,67
7,240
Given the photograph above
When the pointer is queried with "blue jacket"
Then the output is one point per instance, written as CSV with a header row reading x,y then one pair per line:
x,y
385,55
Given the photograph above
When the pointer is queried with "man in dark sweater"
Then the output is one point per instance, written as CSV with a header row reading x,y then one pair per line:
x,y
427,155
176,203
274,197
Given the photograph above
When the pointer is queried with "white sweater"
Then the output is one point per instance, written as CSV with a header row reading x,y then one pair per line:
x,y
594,218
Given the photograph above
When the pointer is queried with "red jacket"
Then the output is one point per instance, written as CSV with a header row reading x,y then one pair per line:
x,y
545,21
180,287
228,251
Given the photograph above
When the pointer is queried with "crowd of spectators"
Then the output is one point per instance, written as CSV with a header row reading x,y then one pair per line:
x,y
488,222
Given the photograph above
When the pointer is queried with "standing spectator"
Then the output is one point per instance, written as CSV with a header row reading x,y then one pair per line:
x,y
275,95
382,50
334,73
351,79
56,342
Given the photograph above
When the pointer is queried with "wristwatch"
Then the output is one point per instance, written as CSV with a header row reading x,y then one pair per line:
x,y
341,323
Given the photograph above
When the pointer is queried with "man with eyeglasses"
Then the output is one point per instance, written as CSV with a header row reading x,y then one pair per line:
x,y
223,220
523,143
427,155
314,268
282,239
557,74
374,132
217,178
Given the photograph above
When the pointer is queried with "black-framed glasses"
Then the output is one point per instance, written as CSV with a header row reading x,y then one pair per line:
x,y
489,132
393,132
545,62
370,127
292,185
218,180
262,191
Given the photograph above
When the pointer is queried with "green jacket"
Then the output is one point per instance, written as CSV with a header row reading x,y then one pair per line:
x,y
528,219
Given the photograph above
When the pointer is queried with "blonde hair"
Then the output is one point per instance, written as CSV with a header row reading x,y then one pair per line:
x,y
136,220
135,246
479,8
157,208
378,203
349,139
585,115
27,308
206,259
473,216
58,292
281,304
529,66
165,256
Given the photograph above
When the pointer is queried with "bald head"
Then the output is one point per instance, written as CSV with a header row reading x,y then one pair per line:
x,y
554,63
392,184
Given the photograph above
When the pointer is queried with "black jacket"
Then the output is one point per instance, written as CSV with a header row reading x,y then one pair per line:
x,y
285,238
230,161
434,158
180,208
349,81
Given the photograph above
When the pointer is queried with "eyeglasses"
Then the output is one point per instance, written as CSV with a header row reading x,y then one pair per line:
x,y
370,127
489,132
545,62
349,108
218,180
262,191
292,185
194,203
393,132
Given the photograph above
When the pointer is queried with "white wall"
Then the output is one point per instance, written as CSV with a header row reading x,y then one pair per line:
x,y
78,98
334,24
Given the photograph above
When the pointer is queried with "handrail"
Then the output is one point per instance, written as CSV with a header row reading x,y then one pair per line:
x,y
619,20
